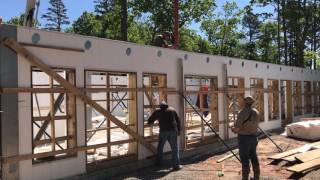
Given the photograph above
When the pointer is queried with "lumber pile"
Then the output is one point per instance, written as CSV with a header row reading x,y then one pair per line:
x,y
306,157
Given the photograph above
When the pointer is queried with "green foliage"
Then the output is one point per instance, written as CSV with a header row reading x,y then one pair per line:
x,y
309,57
87,24
222,30
17,20
267,44
139,33
56,16
109,14
160,17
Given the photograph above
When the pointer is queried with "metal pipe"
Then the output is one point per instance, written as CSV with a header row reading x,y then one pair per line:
x,y
279,149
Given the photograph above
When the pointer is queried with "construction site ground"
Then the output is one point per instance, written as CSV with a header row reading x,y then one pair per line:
x,y
204,166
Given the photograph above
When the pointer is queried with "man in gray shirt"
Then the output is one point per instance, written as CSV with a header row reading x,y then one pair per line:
x,y
246,127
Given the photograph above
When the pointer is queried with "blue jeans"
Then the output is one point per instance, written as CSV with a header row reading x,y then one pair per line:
x,y
171,136
248,151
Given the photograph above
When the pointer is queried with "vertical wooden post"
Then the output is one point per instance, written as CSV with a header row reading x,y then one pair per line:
x,y
53,136
289,101
71,111
132,110
225,101
108,123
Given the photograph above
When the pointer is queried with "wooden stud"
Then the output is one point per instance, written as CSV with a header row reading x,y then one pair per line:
x,y
12,159
71,111
132,110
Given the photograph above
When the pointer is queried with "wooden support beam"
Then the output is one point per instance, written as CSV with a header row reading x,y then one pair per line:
x,y
13,44
53,47
305,166
228,156
308,156
92,90
46,141
46,118
23,157
162,90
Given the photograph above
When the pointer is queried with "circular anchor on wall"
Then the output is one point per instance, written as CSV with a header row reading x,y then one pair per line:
x,y
35,38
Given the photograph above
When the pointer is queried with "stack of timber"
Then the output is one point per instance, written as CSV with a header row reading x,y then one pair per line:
x,y
304,158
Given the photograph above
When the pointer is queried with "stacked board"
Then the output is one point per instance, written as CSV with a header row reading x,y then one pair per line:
x,y
307,157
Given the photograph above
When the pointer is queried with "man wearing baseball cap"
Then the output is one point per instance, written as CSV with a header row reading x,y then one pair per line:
x,y
170,128
246,127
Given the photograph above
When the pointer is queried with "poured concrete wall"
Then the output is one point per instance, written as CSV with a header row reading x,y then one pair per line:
x,y
9,104
108,55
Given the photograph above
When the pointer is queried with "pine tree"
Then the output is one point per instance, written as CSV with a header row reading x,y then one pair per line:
x,y
56,15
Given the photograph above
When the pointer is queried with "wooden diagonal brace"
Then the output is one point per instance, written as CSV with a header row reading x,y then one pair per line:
x,y
44,126
13,44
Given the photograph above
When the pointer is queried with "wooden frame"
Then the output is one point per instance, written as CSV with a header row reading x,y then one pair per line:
x,y
307,97
297,99
273,99
236,90
151,101
112,101
286,102
14,45
41,138
210,114
256,84
316,97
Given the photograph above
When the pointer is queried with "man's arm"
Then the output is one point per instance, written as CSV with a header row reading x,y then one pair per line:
x,y
153,117
238,124
178,122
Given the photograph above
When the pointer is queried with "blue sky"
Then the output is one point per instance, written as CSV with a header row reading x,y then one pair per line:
x,y
75,8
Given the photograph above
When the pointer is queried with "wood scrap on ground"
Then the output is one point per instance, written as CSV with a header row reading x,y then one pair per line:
x,y
301,149
228,156
305,166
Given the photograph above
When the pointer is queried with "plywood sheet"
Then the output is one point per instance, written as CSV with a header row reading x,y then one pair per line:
x,y
305,166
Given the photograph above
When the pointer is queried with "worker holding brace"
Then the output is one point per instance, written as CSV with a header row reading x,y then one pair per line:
x,y
246,127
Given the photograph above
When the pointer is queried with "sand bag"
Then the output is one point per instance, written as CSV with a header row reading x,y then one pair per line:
x,y
309,130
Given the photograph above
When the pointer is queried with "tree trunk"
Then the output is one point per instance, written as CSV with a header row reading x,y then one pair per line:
x,y
284,29
124,20
315,35
279,43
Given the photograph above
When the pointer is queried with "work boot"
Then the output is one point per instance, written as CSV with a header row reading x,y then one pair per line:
x,y
245,174
256,172
177,168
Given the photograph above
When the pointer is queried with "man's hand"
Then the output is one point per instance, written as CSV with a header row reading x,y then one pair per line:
x,y
235,130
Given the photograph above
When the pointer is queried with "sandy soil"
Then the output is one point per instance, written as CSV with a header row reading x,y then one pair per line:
x,y
205,166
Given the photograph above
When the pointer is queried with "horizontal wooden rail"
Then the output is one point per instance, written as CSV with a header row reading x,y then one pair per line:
x,y
107,128
54,47
163,90
13,159
44,118
46,141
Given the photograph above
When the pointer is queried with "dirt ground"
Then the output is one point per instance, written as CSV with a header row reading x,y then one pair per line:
x,y
205,166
